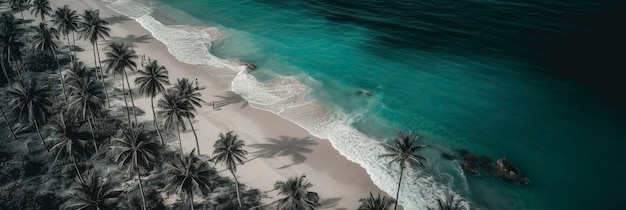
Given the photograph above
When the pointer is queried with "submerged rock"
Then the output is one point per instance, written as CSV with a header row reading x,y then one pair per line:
x,y
250,66
485,164
509,172
469,166
364,92
447,156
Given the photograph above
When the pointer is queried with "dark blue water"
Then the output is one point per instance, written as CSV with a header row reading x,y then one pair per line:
x,y
537,82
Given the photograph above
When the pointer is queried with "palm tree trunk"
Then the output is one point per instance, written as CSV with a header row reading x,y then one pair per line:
x,y
156,125
125,101
74,40
195,135
132,100
69,48
143,197
399,182
6,120
80,177
191,196
41,137
180,142
95,143
60,75
106,92
236,186
95,61
99,62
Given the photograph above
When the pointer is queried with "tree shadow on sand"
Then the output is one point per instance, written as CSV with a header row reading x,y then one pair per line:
x,y
285,146
329,203
229,97
116,19
131,40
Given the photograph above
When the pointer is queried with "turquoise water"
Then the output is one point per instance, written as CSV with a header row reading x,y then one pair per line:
x,y
474,75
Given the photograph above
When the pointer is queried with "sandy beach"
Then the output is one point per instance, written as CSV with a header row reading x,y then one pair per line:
x,y
278,148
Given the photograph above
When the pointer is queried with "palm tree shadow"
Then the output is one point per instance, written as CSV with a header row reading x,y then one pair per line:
x,y
116,19
329,203
230,98
131,39
285,146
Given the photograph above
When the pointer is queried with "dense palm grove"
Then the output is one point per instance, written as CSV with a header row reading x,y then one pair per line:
x,y
66,144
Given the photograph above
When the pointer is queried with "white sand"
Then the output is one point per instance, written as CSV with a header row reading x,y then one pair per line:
x,y
339,181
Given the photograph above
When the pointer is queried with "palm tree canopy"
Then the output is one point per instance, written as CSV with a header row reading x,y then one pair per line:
x,y
43,39
173,109
229,150
152,79
296,194
136,149
77,74
188,174
188,92
376,203
10,43
92,27
41,8
15,4
86,97
67,141
30,100
120,57
8,24
66,19
93,194
450,203
403,150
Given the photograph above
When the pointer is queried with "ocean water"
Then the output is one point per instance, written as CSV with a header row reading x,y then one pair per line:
x,y
515,79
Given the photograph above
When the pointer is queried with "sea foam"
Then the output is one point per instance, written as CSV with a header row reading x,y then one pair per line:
x,y
290,99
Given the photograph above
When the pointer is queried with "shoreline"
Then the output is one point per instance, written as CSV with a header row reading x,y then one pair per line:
x,y
297,151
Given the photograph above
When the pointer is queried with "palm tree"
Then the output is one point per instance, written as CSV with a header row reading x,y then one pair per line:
x,y
94,194
136,151
297,194
43,40
151,82
188,174
10,44
403,151
229,151
119,58
375,203
93,28
189,94
77,75
17,4
87,99
173,111
31,101
66,20
68,144
41,8
6,120
451,203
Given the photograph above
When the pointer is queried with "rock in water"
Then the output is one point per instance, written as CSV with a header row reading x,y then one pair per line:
x,y
469,166
509,172
250,66
485,164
